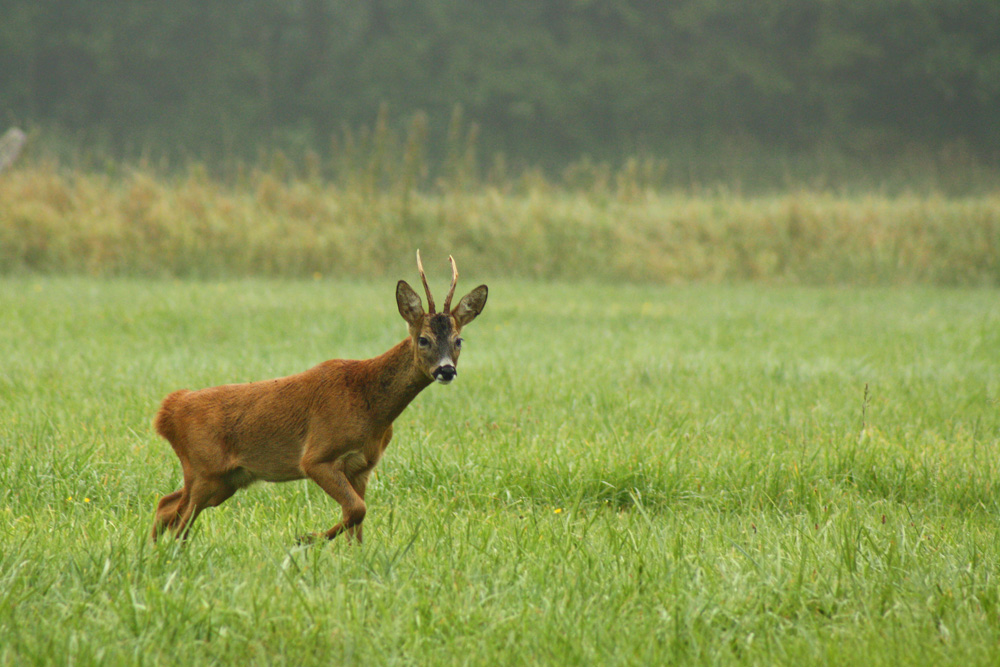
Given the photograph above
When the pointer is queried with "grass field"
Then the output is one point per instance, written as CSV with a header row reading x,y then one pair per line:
x,y
621,475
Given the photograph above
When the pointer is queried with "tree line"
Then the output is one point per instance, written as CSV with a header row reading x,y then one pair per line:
x,y
545,81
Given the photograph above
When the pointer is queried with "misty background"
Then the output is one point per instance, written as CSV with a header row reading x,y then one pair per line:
x,y
544,83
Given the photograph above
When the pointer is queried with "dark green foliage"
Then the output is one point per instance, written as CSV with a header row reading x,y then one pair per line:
x,y
546,81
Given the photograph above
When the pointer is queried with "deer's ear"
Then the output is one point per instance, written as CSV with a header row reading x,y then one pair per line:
x,y
410,306
470,306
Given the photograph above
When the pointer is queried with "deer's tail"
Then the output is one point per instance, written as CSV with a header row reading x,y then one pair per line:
x,y
164,422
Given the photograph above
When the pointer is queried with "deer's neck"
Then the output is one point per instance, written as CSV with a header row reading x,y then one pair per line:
x,y
393,381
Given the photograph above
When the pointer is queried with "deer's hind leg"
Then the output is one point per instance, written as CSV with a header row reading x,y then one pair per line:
x,y
202,492
167,512
178,510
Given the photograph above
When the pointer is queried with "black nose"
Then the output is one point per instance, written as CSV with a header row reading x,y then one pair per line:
x,y
445,373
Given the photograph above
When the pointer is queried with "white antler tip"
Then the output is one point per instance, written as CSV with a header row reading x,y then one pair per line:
x,y
454,281
423,279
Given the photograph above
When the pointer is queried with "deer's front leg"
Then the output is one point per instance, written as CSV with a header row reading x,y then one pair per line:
x,y
359,482
331,478
358,469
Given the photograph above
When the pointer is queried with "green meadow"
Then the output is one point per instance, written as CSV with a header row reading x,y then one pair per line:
x,y
623,474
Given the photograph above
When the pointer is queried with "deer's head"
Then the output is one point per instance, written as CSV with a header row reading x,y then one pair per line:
x,y
436,337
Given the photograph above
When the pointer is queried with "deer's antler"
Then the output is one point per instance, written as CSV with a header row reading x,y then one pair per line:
x,y
423,279
454,281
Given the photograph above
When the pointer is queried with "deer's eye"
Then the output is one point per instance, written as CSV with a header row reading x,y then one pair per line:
x,y
423,342
458,343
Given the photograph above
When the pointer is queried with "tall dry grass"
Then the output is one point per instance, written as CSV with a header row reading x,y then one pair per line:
x,y
364,214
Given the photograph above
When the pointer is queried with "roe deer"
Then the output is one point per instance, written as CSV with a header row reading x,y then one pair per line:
x,y
331,423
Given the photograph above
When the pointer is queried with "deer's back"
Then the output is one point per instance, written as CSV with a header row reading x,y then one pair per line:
x,y
273,413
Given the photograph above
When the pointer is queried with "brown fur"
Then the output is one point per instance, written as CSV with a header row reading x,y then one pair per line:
x,y
330,423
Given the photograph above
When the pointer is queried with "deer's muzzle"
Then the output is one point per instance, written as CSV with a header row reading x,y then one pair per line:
x,y
445,373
